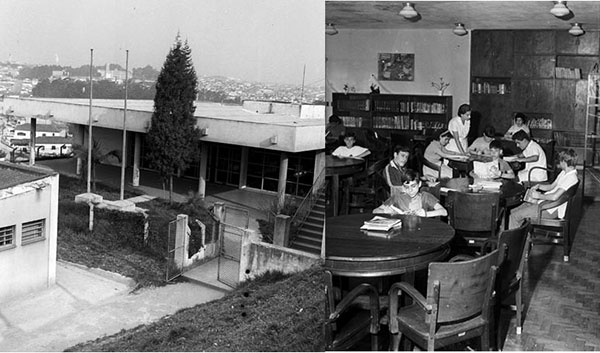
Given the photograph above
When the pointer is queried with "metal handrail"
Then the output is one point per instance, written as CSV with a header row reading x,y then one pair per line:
x,y
307,204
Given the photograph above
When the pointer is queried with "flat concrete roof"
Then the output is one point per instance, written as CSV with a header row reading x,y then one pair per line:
x,y
203,110
14,174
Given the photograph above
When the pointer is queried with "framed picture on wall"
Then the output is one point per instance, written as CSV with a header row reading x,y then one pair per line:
x,y
396,67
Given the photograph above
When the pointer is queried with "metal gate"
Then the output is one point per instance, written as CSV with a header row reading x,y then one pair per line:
x,y
176,249
232,229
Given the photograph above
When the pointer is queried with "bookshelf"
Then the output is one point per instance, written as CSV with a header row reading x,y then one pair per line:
x,y
388,113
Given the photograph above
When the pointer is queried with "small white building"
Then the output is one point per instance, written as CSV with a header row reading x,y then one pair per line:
x,y
23,131
28,229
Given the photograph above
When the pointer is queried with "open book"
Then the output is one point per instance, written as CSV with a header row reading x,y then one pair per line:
x,y
381,224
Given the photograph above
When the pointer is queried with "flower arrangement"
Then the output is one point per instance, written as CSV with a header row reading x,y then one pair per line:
x,y
441,86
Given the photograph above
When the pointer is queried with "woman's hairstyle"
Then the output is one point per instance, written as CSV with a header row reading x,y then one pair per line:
x,y
351,134
411,175
522,116
442,133
463,109
489,131
569,156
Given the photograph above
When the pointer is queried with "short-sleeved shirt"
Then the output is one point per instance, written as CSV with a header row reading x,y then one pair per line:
x,y
433,153
514,128
402,201
456,124
344,151
532,149
395,175
563,181
480,145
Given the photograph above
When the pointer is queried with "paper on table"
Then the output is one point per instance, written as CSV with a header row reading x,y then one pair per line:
x,y
484,169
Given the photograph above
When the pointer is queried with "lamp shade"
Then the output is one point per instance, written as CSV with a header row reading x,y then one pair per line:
x,y
330,29
576,30
460,29
560,9
408,11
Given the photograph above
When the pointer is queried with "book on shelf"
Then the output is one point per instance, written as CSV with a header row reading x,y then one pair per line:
x,y
378,223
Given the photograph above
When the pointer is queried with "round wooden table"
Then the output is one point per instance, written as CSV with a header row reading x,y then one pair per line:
x,y
336,167
352,252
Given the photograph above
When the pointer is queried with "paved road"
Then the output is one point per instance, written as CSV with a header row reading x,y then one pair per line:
x,y
86,304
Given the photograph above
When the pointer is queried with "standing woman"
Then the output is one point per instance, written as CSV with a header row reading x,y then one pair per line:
x,y
459,128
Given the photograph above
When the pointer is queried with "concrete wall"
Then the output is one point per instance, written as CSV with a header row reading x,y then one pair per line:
x,y
32,266
351,58
258,258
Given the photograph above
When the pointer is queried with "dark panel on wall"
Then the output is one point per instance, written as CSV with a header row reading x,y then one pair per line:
x,y
534,66
588,44
534,42
533,95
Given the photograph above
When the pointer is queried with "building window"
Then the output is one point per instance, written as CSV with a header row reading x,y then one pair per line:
x,y
300,173
263,169
32,231
53,147
21,134
7,235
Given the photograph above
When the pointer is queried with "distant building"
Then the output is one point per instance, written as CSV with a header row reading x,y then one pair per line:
x,y
28,229
23,131
59,74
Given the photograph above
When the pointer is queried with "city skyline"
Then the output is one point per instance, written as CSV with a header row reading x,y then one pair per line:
x,y
262,40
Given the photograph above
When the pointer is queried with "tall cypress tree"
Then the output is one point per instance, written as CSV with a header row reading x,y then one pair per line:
x,y
173,135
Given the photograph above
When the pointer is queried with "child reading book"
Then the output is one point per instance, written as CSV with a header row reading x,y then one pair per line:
x,y
411,200
497,168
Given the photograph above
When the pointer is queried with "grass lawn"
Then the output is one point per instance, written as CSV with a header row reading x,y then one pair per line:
x,y
117,245
271,313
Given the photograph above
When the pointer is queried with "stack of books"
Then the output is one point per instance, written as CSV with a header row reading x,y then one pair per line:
x,y
382,224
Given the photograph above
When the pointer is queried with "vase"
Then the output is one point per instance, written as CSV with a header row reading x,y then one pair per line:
x,y
440,93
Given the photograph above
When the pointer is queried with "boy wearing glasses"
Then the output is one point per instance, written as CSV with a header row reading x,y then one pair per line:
x,y
411,200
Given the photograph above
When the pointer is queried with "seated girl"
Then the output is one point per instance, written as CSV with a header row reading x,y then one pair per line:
x,y
435,153
411,200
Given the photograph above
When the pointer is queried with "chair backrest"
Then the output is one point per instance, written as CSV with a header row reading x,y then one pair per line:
x,y
566,196
515,242
460,290
475,212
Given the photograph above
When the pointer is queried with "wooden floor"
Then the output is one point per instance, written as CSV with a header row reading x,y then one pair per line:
x,y
562,300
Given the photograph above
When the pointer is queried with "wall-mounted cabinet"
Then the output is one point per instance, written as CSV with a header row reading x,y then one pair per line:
x,y
391,112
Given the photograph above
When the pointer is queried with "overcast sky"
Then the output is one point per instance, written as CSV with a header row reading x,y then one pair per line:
x,y
258,40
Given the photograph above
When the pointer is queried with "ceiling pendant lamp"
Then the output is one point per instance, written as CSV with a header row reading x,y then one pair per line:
x,y
460,29
560,9
576,30
330,29
408,11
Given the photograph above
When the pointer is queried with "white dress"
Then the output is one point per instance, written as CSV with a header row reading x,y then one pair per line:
x,y
456,124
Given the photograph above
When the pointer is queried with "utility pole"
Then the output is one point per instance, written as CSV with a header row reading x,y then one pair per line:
x,y
124,148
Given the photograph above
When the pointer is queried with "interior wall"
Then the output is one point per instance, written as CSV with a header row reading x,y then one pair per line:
x,y
351,59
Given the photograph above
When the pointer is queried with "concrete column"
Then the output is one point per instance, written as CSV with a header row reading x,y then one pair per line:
x,y
219,211
32,141
203,169
80,136
281,233
182,236
283,165
244,167
136,159
319,165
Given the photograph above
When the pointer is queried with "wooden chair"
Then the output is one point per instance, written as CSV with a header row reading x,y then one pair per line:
x,y
369,188
474,216
346,324
456,307
556,231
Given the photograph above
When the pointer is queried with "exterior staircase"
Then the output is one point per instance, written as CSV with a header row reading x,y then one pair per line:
x,y
310,233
